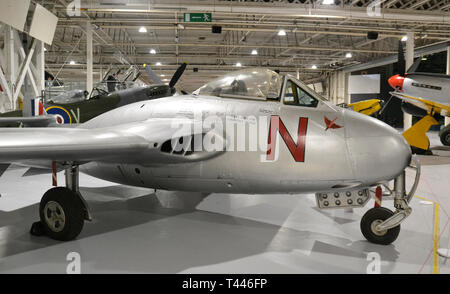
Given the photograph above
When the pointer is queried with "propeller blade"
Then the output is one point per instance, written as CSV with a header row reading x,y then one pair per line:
x,y
401,59
177,75
385,106
153,76
415,65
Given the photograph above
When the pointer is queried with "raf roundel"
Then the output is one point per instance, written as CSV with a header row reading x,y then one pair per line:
x,y
62,115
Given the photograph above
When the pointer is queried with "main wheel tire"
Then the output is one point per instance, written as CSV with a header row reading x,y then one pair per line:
x,y
371,219
444,135
62,214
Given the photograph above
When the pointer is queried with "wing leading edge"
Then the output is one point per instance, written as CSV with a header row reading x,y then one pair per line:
x,y
428,105
57,144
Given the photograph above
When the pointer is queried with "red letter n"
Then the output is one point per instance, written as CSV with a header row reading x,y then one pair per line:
x,y
297,150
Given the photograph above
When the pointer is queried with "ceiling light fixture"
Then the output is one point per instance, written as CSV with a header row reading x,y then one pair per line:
x,y
238,64
158,64
349,55
254,52
281,33
72,62
142,30
314,66
328,2
404,38
152,51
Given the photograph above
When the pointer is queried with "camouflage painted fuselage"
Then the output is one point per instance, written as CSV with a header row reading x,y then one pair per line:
x,y
82,111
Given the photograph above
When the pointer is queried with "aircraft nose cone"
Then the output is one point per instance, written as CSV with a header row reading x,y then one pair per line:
x,y
377,151
396,82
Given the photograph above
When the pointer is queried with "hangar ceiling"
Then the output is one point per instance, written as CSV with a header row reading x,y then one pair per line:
x,y
317,34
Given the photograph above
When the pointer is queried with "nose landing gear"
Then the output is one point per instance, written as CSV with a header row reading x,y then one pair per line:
x,y
369,226
380,225
62,210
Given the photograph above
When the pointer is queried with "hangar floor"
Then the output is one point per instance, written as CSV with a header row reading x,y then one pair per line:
x,y
140,231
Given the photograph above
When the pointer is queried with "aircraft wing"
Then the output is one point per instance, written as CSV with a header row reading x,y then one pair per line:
x,y
428,105
61,144
149,144
32,121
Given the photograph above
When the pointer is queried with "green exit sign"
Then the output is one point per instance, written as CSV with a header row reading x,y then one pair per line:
x,y
197,17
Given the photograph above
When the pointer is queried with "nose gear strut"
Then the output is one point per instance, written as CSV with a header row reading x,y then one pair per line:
x,y
380,225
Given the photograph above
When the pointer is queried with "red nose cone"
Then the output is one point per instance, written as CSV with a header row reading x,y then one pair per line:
x,y
396,82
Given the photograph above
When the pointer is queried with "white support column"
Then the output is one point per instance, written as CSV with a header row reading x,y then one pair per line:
x,y
447,119
341,88
11,60
407,118
347,98
329,87
333,88
40,66
89,58
336,87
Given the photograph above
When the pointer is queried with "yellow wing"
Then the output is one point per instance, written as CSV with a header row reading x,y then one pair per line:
x,y
428,105
367,107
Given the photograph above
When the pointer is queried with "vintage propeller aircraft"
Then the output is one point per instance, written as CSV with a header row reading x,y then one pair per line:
x,y
425,95
75,111
250,131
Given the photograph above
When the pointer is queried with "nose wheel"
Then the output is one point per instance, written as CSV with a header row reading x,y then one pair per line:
x,y
370,223
62,210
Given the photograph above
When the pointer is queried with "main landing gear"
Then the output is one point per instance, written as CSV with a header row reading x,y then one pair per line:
x,y
380,225
444,135
62,210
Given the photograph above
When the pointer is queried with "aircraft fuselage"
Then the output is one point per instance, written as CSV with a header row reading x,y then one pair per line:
x,y
300,149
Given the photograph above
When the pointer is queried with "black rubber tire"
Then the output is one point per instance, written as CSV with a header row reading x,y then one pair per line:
x,y
378,214
444,135
73,209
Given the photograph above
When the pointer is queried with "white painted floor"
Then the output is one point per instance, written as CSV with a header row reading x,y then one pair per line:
x,y
138,231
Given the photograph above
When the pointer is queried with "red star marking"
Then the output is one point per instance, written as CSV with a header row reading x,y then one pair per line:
x,y
331,124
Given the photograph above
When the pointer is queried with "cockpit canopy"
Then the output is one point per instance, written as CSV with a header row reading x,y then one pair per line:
x,y
69,97
256,83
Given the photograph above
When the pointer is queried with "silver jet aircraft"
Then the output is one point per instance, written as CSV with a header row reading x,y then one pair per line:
x,y
251,131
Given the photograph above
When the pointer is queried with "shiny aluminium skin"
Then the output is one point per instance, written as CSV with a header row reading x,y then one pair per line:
x,y
306,144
